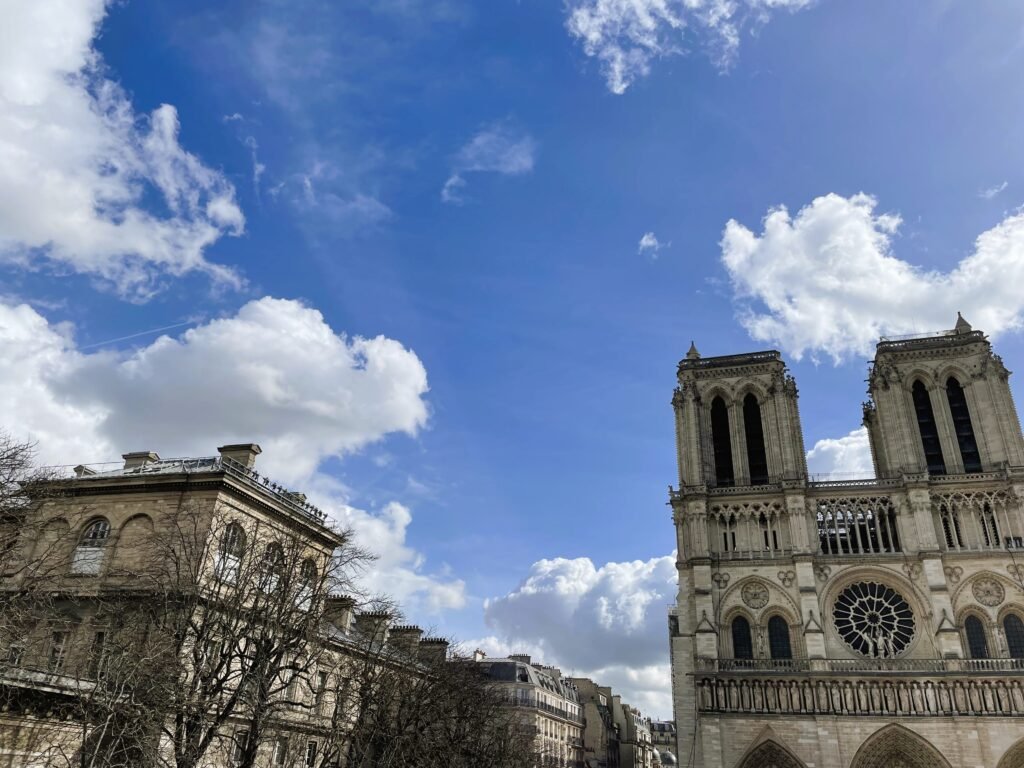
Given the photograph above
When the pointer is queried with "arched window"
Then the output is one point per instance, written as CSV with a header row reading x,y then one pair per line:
x,y
721,442
231,552
754,432
1013,627
742,645
778,638
928,429
962,425
977,643
88,557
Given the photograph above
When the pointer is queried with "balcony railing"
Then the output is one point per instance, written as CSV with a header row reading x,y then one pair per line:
x,y
531,703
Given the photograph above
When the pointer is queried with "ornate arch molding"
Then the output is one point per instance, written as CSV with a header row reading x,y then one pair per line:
x,y
767,752
926,377
895,746
1014,757
957,371
751,387
717,389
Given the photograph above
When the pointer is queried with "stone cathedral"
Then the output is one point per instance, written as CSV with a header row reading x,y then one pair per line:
x,y
851,623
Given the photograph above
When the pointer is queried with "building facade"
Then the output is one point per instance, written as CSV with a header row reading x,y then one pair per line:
x,y
663,737
845,623
600,733
549,706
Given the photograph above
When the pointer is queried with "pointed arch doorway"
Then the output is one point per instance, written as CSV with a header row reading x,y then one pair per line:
x,y
897,747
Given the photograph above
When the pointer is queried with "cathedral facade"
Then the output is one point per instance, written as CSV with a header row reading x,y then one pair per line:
x,y
850,623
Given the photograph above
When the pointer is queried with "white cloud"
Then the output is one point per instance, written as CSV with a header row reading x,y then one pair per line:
x,y
627,35
498,148
274,373
827,280
76,162
991,192
649,244
616,614
848,456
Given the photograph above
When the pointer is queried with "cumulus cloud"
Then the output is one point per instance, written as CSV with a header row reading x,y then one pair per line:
x,y
650,245
991,192
76,163
827,280
615,614
275,373
847,456
497,148
626,36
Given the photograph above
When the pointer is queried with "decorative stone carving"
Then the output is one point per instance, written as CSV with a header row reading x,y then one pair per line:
x,y
787,578
954,573
721,580
913,570
988,591
755,595
822,572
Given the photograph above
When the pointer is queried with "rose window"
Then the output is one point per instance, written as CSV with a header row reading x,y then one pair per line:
x,y
874,620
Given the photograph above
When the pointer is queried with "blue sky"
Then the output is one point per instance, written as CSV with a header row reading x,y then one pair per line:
x,y
441,258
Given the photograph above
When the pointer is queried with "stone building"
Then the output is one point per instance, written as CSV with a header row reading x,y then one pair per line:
x,y
600,733
90,573
850,623
549,706
635,747
663,737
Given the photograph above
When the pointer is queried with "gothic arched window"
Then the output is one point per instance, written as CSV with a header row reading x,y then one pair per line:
x,y
928,429
721,443
778,638
742,645
754,432
230,553
977,643
1013,627
962,425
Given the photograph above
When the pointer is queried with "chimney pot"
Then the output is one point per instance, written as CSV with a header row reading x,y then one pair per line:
x,y
338,611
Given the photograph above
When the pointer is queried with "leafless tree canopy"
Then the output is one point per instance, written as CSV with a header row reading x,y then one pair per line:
x,y
209,640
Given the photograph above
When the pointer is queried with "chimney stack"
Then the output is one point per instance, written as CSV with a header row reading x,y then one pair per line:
x,y
521,657
433,650
405,638
244,453
373,625
338,611
139,459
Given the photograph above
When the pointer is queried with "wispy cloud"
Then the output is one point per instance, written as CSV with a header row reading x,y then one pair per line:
x,y
626,36
988,194
650,245
497,148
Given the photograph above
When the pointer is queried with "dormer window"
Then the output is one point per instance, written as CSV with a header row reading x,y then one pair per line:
x,y
88,557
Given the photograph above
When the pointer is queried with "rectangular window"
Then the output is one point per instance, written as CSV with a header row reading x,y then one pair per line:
x,y
281,751
321,691
16,653
58,649
87,561
311,754
238,751
227,567
97,654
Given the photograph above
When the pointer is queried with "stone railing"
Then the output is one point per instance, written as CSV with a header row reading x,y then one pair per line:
x,y
965,694
861,666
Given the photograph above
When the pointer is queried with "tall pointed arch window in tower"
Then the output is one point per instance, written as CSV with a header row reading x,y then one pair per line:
x,y
742,643
721,443
928,429
962,425
757,460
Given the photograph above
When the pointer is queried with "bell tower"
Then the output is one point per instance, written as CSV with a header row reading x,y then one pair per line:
x,y
941,404
737,422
